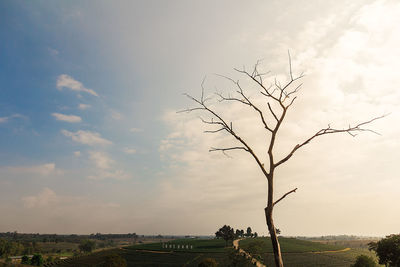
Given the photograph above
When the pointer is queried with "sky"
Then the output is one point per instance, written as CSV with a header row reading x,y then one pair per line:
x,y
91,141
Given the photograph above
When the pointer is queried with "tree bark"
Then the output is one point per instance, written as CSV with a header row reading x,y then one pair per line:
x,y
274,238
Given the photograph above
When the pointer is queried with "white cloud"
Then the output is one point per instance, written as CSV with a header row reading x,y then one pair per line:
x,y
84,106
77,153
47,198
67,118
42,170
86,137
43,199
128,150
109,174
116,115
101,159
105,167
16,115
53,52
66,81
136,130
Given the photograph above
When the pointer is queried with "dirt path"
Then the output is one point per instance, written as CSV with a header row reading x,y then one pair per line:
x,y
331,251
241,251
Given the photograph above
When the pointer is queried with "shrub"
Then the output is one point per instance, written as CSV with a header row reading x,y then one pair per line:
x,y
114,260
37,260
208,262
255,248
364,261
25,260
387,250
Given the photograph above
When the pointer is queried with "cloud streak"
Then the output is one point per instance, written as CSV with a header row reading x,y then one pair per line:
x,y
42,170
66,81
6,119
84,106
86,137
67,118
105,167
43,199
128,150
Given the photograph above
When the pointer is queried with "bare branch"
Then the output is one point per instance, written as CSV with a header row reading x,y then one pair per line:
x,y
291,102
223,98
290,65
213,149
291,191
266,90
245,101
272,112
225,126
350,130
215,131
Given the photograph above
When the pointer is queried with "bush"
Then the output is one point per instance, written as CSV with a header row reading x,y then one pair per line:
x,y
50,259
114,260
87,245
364,261
37,260
25,260
208,262
387,250
237,260
255,248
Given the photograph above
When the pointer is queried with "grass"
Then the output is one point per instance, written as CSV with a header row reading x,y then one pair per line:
x,y
153,254
337,259
199,245
290,245
142,258
296,253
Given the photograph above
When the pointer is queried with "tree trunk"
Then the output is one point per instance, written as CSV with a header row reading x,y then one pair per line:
x,y
274,237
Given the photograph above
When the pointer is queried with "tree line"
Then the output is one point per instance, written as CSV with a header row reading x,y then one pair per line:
x,y
72,238
229,234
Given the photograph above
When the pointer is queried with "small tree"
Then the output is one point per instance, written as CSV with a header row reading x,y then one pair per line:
x,y
279,99
87,246
248,232
135,237
364,261
237,233
226,233
387,250
37,260
25,260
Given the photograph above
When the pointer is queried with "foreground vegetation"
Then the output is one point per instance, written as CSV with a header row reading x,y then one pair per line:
x,y
306,253
194,251
155,254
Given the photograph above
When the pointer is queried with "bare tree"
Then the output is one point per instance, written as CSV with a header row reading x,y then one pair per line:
x,y
279,98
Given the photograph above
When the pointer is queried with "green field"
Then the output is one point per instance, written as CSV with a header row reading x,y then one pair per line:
x,y
197,245
290,245
298,253
153,254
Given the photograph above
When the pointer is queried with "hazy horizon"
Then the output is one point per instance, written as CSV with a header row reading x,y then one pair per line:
x,y
90,140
